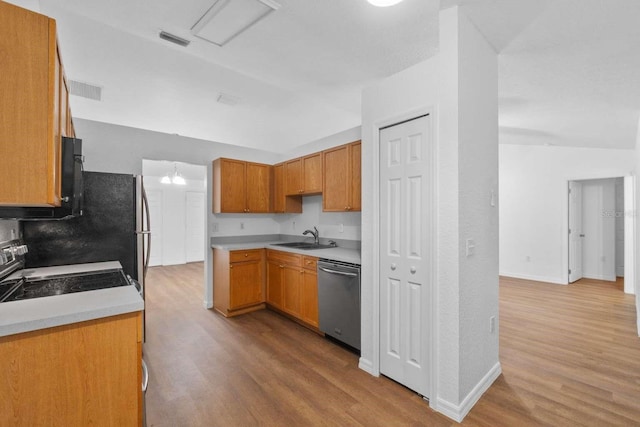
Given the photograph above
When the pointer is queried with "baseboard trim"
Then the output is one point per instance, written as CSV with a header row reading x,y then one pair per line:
x,y
600,277
458,412
207,304
535,278
367,366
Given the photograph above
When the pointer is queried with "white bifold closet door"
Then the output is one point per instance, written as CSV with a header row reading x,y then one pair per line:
x,y
405,217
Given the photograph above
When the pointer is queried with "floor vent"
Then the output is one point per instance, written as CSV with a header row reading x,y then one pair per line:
x,y
85,90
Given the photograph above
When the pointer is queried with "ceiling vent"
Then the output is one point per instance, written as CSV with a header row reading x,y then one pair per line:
x,y
85,90
226,19
174,39
227,99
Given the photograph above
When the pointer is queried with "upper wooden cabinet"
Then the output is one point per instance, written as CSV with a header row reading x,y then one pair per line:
x,y
241,187
342,182
34,108
281,202
303,176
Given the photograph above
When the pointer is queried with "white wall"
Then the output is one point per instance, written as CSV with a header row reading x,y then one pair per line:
x,y
534,204
478,211
9,229
328,223
598,227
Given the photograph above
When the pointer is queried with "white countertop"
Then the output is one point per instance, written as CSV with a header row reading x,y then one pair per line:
x,y
338,253
47,312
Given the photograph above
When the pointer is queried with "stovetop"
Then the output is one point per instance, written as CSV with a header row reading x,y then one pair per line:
x,y
35,287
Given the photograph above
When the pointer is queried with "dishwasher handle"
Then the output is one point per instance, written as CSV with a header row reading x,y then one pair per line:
x,y
342,273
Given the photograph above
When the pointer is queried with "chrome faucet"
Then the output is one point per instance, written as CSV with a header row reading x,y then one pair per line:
x,y
316,239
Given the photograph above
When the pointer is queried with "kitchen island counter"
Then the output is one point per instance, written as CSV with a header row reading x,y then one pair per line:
x,y
47,312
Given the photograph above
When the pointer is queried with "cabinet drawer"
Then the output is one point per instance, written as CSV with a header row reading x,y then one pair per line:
x,y
248,255
309,262
285,257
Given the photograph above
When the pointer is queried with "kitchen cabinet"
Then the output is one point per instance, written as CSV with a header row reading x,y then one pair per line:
x,y
342,178
292,285
281,202
86,373
34,109
303,175
238,281
241,187
309,291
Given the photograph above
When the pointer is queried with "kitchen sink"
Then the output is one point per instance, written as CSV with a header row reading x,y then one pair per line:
x,y
304,245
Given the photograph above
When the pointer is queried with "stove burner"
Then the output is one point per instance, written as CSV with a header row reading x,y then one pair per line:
x,y
66,284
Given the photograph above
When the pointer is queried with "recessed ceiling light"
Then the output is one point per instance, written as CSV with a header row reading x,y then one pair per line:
x,y
384,3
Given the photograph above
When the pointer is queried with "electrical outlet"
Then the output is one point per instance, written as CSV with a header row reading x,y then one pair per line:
x,y
293,225
341,228
528,258
215,227
242,226
492,324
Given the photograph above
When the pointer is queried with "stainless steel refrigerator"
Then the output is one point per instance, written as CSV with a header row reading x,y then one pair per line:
x,y
114,226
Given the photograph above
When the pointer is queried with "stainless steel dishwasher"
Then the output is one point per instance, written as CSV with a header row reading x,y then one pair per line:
x,y
339,300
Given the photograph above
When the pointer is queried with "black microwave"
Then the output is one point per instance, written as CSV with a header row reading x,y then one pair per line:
x,y
72,189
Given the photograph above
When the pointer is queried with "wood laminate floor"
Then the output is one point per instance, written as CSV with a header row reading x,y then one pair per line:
x,y
570,356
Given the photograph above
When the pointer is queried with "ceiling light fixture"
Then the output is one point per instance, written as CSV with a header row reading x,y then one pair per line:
x,y
174,178
384,3
226,19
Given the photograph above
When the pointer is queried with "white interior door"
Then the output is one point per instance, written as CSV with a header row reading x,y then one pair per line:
x,y
154,198
575,231
405,288
195,233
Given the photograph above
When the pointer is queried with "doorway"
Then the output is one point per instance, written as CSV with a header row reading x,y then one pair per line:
x,y
600,230
177,211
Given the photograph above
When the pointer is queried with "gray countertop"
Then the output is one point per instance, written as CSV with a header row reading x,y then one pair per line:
x,y
47,312
338,254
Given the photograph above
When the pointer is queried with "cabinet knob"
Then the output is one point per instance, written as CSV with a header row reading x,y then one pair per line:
x,y
281,266
246,255
413,269
308,262
230,265
346,208
393,266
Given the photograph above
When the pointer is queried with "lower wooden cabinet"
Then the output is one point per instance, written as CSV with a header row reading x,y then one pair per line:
x,y
292,285
238,281
309,291
83,374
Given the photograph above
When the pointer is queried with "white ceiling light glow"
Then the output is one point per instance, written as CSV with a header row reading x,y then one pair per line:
x,y
226,19
384,3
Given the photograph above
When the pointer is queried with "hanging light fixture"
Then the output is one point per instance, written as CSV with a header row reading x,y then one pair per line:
x,y
174,178
384,3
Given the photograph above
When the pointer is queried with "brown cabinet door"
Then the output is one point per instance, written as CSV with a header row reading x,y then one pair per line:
x,y
292,277
245,284
275,272
293,177
309,297
356,176
232,186
258,184
312,174
336,185
28,104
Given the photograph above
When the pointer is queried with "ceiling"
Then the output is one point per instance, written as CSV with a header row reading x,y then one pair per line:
x,y
568,69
